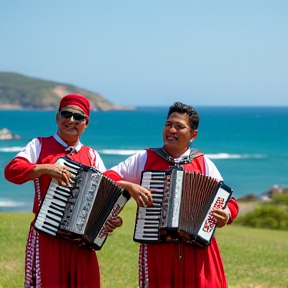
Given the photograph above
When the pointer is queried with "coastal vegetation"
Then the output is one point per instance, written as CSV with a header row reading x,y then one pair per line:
x,y
22,92
253,257
269,214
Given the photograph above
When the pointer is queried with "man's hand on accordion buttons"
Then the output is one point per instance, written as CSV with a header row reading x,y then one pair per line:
x,y
113,223
221,216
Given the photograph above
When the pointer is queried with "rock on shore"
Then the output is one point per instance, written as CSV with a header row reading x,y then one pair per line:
x,y
6,134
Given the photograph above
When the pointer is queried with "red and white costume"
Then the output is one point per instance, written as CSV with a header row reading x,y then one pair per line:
x,y
50,261
175,265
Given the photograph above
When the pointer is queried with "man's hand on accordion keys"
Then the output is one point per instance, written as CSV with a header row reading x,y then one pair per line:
x,y
63,175
60,173
141,195
221,217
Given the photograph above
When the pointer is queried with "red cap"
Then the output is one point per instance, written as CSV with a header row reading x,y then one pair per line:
x,y
77,100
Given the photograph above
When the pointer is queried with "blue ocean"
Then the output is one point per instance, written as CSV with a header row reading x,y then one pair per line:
x,y
249,145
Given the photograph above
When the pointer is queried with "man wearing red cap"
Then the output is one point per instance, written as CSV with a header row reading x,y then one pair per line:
x,y
50,261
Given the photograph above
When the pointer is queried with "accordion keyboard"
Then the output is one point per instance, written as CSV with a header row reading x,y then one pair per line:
x,y
53,206
148,219
182,205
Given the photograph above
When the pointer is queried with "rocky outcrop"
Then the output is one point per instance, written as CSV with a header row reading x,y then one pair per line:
x,y
19,92
272,193
6,134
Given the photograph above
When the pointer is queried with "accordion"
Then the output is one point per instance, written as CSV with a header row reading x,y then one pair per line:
x,y
79,212
181,210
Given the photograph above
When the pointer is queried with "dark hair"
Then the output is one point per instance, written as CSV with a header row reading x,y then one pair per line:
x,y
189,110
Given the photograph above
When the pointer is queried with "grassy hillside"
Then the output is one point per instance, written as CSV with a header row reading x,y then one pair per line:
x,y
22,92
252,257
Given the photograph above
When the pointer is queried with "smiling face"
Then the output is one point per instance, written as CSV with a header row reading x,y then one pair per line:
x,y
177,134
70,129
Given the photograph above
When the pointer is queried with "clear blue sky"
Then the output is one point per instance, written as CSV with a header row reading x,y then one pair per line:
x,y
153,52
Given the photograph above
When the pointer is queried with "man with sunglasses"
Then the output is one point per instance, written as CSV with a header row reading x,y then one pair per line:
x,y
50,261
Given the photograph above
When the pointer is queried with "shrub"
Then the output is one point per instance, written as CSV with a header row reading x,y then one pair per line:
x,y
266,216
247,198
280,199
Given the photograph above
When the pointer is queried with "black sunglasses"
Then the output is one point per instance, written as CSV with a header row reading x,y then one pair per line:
x,y
76,116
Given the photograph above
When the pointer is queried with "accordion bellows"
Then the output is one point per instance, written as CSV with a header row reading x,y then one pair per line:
x,y
79,212
182,204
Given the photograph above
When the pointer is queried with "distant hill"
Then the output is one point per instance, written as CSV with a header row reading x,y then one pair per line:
x,y
19,92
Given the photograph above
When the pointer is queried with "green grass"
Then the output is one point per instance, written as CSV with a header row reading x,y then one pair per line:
x,y
253,258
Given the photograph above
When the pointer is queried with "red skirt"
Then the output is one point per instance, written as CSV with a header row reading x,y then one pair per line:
x,y
181,266
55,263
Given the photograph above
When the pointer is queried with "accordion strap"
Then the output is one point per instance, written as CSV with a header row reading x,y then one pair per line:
x,y
185,160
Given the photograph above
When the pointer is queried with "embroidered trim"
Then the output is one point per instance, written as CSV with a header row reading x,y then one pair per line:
x,y
32,261
92,156
185,160
143,266
37,191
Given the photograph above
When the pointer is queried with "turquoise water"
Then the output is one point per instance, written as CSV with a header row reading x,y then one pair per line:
x,y
248,145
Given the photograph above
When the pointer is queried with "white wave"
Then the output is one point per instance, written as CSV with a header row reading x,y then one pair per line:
x,y
223,156
131,152
253,156
118,152
234,156
211,156
10,149
10,204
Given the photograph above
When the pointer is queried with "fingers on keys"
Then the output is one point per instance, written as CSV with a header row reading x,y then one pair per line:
x,y
145,199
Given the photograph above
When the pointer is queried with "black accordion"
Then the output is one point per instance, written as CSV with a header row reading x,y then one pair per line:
x,y
79,212
182,204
